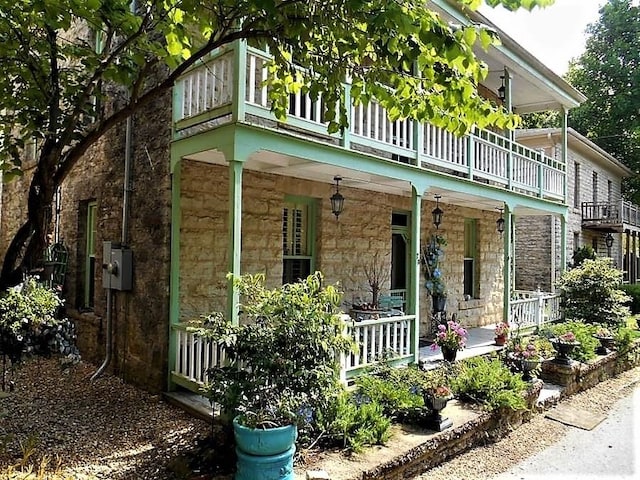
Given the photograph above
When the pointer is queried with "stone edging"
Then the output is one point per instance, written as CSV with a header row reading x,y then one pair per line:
x,y
491,426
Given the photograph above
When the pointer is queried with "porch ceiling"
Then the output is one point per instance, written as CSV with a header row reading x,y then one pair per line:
x,y
279,164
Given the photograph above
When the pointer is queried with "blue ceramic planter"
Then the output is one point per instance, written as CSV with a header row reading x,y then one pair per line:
x,y
270,441
267,467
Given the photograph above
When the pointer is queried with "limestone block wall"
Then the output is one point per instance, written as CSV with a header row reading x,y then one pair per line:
x,y
342,247
140,316
534,240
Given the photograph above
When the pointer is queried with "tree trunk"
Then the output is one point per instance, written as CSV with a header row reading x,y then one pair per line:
x,y
27,247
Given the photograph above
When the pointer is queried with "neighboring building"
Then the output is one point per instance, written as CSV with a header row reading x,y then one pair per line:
x,y
597,213
218,185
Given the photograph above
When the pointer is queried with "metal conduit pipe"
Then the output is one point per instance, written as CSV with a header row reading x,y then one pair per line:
x,y
109,350
123,239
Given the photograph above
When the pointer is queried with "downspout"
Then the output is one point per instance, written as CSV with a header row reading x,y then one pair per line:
x,y
124,235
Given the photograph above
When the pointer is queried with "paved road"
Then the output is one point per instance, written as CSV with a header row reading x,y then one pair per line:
x,y
609,451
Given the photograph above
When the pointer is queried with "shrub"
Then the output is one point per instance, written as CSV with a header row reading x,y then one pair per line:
x,y
591,293
392,394
489,383
633,291
31,322
583,253
583,334
287,353
357,424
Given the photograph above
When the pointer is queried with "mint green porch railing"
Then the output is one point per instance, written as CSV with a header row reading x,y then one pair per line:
x,y
203,99
534,309
389,337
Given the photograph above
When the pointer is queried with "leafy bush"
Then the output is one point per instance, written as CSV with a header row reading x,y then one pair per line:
x,y
357,424
583,253
633,291
624,338
283,363
583,333
591,293
489,383
390,394
31,322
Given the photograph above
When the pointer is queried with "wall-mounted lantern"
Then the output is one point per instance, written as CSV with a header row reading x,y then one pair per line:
x,y
437,212
337,200
500,221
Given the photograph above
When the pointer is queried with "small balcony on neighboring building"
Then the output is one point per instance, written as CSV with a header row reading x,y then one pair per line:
x,y
614,217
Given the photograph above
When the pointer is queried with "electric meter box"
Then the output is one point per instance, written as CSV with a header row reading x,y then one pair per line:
x,y
117,266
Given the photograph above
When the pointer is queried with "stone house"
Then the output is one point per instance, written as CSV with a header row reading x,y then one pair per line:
x,y
208,182
598,216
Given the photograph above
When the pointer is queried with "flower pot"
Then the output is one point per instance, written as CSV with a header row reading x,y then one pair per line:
x,y
269,441
436,405
528,367
500,340
439,303
563,349
606,344
449,354
265,467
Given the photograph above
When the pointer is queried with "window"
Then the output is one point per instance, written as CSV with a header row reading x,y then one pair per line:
x,y
471,286
594,244
90,255
609,191
595,187
297,239
576,185
576,241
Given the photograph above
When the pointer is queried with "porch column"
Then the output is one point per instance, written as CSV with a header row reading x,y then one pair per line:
x,y
634,257
174,278
235,223
564,147
563,245
506,271
627,234
413,300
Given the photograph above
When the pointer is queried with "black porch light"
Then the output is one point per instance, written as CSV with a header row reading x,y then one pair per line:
x,y
608,240
337,200
500,221
437,212
502,90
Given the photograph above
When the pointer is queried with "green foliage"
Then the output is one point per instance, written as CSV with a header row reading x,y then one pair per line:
x,y
358,424
583,333
489,383
607,74
287,352
84,66
392,394
591,293
624,338
548,119
633,291
30,322
583,253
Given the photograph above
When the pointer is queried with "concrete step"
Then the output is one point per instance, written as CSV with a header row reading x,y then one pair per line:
x,y
549,395
192,403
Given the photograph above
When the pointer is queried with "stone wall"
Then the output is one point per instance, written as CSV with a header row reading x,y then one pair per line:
x,y
534,242
140,316
342,247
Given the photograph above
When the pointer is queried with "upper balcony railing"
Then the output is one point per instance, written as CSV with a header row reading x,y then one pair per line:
x,y
610,214
215,91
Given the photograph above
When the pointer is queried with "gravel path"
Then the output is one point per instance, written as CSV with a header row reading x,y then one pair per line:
x,y
532,437
104,430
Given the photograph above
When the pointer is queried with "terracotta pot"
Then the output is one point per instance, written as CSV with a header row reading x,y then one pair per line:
x,y
500,340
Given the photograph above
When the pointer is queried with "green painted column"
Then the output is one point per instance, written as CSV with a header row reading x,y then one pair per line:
x,y
235,236
413,301
507,272
240,84
563,244
174,285
564,147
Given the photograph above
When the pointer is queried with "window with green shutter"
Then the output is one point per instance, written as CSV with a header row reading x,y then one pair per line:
x,y
298,226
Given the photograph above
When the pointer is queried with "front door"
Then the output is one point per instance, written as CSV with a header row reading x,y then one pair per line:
x,y
399,258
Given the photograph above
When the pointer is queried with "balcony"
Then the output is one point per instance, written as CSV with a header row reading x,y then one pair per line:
x,y
610,216
220,92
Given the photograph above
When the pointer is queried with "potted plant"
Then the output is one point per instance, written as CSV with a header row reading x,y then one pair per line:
x,y
605,337
435,399
501,333
450,338
432,257
564,344
282,368
524,356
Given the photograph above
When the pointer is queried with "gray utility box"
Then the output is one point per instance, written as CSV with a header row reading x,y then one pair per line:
x,y
117,266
